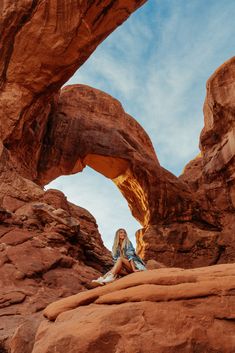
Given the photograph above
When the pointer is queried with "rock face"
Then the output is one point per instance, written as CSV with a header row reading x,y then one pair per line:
x,y
44,43
95,131
159,311
212,172
35,127
211,175
51,249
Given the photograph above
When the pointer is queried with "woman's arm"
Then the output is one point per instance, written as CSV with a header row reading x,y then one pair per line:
x,y
130,252
116,255
131,255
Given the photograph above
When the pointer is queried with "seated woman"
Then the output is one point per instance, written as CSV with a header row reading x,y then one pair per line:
x,y
125,259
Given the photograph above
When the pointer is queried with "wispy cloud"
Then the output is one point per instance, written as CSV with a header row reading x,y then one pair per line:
x,y
157,64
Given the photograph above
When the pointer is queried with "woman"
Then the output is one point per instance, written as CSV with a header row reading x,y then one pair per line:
x,y
125,259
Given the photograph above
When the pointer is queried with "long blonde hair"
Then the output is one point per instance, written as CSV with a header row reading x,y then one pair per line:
x,y
116,244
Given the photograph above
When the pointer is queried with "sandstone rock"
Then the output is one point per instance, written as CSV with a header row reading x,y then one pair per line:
x,y
12,184
168,310
59,40
212,174
153,265
38,265
56,199
9,297
15,237
93,119
11,203
56,219
4,214
164,276
32,257
50,248
24,336
182,245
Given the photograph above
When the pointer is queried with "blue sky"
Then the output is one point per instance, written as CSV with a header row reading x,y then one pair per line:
x,y
156,64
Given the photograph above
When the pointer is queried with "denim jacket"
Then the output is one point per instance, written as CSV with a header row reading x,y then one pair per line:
x,y
130,254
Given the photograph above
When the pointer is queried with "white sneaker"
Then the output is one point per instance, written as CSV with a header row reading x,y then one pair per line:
x,y
97,282
109,278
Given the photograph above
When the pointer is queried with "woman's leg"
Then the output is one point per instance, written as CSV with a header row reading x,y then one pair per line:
x,y
127,265
121,264
116,267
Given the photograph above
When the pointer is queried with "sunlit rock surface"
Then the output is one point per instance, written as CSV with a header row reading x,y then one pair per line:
x,y
158,311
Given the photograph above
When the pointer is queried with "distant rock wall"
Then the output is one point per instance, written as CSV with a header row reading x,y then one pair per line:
x,y
211,175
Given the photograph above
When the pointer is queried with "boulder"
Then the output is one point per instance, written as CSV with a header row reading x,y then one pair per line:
x,y
160,311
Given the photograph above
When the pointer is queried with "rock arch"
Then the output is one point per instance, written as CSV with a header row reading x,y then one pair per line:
x,y
89,127
33,71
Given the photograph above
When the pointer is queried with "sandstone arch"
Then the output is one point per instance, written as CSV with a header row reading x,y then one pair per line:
x,y
43,42
178,212
89,127
32,72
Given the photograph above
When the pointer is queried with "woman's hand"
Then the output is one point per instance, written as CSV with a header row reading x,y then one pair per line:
x,y
134,269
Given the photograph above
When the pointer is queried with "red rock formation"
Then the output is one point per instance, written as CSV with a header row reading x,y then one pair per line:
x,y
159,311
51,249
60,37
94,130
176,223
45,241
211,175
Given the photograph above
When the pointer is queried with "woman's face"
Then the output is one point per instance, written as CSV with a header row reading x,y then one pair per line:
x,y
122,234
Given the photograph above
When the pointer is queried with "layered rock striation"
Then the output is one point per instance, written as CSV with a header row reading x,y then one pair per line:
x,y
49,248
159,311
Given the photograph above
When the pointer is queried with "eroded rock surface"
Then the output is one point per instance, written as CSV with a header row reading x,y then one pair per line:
x,y
164,310
211,175
49,248
212,172
42,44
95,130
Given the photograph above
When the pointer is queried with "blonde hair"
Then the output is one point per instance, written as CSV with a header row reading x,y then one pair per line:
x,y
116,244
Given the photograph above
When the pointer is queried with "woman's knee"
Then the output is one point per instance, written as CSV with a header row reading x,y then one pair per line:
x,y
119,261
